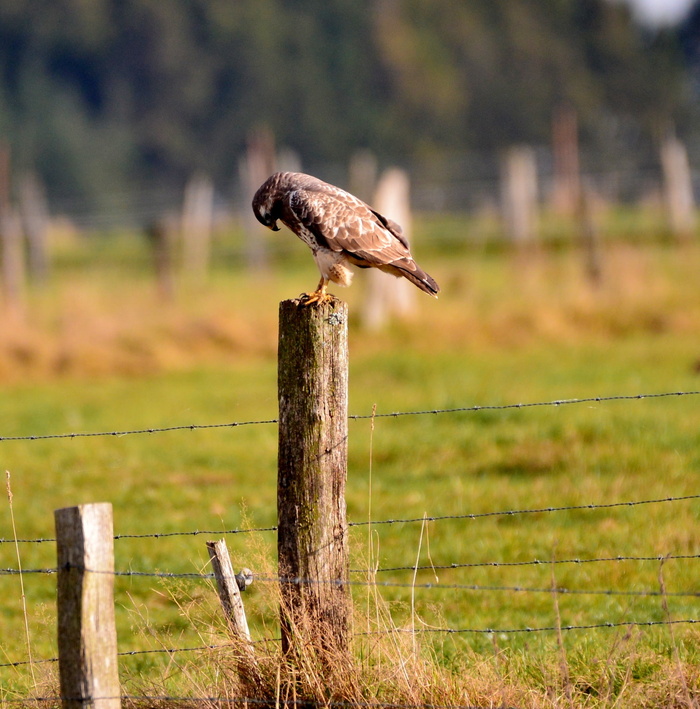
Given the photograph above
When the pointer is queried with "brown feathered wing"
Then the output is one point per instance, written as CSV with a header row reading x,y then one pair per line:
x,y
341,222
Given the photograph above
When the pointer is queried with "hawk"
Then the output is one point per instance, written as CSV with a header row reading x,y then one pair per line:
x,y
340,230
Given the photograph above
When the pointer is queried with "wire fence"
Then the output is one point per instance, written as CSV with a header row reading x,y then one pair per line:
x,y
378,522
358,417
371,579
396,584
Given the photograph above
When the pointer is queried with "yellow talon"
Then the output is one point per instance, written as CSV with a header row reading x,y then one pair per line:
x,y
318,296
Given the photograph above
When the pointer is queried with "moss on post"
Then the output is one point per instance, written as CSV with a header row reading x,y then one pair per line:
x,y
312,470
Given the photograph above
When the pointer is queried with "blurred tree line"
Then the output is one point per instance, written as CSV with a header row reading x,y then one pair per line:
x,y
100,95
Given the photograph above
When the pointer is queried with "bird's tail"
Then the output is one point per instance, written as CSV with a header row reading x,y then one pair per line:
x,y
410,270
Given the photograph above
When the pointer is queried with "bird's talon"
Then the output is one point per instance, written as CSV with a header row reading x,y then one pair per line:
x,y
311,298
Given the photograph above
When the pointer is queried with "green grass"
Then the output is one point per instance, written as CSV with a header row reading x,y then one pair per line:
x,y
496,338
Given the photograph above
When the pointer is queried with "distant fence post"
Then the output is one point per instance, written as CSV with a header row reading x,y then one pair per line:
x,y
12,270
35,222
312,540
161,235
519,195
566,185
197,224
678,188
390,296
87,636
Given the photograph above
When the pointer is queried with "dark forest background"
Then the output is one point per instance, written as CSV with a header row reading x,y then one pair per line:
x,y
105,96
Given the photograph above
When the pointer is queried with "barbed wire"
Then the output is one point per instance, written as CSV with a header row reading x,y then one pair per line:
x,y
131,653
246,701
298,581
410,631
503,407
354,417
532,562
153,535
136,431
537,510
544,629
409,520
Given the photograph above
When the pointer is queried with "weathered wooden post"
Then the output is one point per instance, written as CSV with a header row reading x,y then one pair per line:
x,y
519,195
590,237
161,235
87,636
259,163
312,540
12,270
35,222
566,185
197,221
678,188
229,589
390,296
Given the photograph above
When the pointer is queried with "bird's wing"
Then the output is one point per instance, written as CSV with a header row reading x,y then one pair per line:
x,y
341,222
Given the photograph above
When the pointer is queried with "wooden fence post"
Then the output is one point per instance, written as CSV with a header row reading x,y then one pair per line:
x,y
12,270
87,636
162,235
390,296
566,185
197,223
519,195
312,536
678,188
35,222
227,586
590,237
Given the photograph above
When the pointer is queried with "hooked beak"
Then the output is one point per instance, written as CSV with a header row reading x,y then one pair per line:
x,y
267,220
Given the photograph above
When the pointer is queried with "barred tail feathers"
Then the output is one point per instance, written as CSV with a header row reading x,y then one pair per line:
x,y
410,270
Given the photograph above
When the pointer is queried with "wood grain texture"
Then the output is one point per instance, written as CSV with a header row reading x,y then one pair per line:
x,y
312,470
87,636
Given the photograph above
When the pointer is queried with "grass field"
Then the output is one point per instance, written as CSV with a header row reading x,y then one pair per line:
x,y
97,352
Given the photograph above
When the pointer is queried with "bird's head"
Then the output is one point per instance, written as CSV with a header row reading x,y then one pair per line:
x,y
267,206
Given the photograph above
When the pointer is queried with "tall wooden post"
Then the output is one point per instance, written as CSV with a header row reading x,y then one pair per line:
x,y
35,222
12,271
259,163
390,296
678,188
312,540
87,636
161,235
197,220
567,171
519,195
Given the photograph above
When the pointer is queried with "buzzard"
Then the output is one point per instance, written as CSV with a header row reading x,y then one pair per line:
x,y
340,230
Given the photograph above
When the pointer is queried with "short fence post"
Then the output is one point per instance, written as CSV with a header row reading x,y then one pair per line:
x,y
312,539
227,585
87,636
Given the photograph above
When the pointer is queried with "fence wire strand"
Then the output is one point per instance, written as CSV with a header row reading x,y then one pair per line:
x,y
409,520
298,581
411,631
246,701
531,562
354,417
437,585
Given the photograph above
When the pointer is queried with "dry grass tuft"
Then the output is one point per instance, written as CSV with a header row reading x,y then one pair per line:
x,y
390,666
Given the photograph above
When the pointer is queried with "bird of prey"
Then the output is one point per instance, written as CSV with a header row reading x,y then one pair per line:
x,y
340,229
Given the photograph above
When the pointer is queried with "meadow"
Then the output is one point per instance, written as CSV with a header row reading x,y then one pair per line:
x,y
98,351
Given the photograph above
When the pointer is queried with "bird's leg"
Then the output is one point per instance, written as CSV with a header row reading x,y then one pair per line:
x,y
318,296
